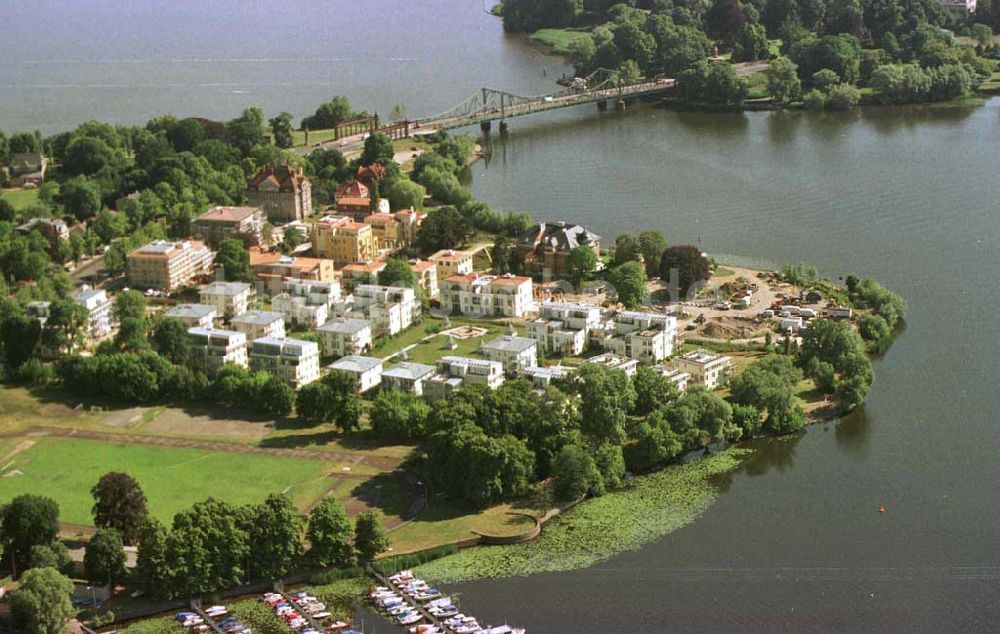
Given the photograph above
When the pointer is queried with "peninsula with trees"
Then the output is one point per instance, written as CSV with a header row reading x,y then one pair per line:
x,y
230,358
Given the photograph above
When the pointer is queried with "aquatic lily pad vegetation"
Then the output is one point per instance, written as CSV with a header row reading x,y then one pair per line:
x,y
599,528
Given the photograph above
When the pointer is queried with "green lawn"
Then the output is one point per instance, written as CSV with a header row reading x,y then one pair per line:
x,y
172,478
758,85
559,40
430,351
20,198
315,136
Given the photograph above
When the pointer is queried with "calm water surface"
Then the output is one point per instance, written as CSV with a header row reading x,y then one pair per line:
x,y
795,543
911,196
67,61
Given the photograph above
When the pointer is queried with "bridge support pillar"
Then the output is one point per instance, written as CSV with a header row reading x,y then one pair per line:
x,y
602,105
485,126
503,127
620,104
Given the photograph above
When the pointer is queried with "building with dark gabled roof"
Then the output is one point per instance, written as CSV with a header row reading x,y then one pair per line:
x,y
542,249
283,192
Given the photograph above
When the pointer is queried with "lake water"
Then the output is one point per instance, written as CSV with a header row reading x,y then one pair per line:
x,y
63,62
909,196
796,542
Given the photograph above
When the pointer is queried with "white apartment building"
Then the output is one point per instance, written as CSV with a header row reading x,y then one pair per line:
x,y
706,368
390,309
293,360
298,310
315,291
366,370
574,316
542,377
514,353
343,337
487,295
96,302
193,315
631,321
408,377
650,346
258,324
562,328
677,377
553,337
615,362
216,347
166,265
453,372
648,337
229,298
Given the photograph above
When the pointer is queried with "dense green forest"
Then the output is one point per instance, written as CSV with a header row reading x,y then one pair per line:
x,y
903,50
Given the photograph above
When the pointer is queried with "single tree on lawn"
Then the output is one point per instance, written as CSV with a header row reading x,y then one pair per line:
x,y
369,536
119,503
104,557
329,534
41,603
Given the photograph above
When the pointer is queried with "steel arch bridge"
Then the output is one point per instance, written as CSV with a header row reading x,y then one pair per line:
x,y
489,104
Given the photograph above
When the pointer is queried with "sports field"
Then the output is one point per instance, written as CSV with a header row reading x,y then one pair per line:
x,y
172,477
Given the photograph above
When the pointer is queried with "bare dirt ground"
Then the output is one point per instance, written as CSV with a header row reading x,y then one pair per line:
x,y
125,417
175,422
381,463
736,327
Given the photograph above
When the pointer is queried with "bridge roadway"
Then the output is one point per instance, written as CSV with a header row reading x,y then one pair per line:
x,y
542,104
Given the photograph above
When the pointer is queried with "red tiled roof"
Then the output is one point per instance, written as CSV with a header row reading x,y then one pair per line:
x,y
353,189
286,178
354,201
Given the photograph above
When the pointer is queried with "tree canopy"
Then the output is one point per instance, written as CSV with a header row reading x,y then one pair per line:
x,y
119,504
41,604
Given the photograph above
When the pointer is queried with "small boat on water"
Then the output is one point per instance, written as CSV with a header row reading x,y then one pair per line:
x,y
410,618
